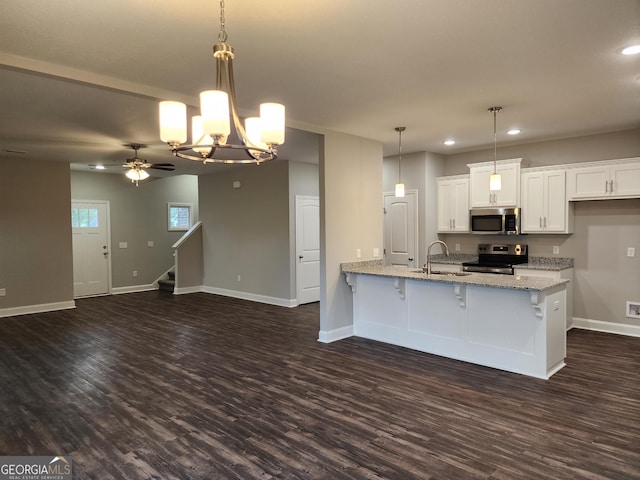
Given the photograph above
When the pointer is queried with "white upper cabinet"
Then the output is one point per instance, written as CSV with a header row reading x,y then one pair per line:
x,y
507,196
545,208
453,204
611,179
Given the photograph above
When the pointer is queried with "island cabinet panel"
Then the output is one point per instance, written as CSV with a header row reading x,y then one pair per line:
x,y
521,331
436,312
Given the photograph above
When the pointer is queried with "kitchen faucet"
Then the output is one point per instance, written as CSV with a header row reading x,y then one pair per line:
x,y
446,251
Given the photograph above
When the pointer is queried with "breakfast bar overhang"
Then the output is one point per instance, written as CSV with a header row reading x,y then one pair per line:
x,y
507,322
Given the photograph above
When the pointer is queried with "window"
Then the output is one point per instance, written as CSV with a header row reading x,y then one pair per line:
x,y
179,216
84,218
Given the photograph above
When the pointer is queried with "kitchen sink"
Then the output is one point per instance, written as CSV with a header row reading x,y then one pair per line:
x,y
451,274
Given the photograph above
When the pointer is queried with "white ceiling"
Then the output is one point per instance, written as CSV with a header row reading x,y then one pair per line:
x,y
79,79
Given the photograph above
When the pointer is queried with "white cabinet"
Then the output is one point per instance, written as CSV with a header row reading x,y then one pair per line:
x,y
617,179
545,208
507,196
566,274
453,204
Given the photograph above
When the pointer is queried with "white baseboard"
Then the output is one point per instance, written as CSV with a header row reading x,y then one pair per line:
x,y
607,327
328,336
184,290
134,289
280,302
44,307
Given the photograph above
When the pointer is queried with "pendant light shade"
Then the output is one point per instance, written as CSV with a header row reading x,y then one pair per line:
x,y
399,191
495,180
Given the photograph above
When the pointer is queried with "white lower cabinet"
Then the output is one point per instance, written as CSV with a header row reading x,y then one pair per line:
x,y
566,274
545,208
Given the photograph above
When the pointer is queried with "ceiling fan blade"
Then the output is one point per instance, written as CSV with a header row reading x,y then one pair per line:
x,y
156,167
163,164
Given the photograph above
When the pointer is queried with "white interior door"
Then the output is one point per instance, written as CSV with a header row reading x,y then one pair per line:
x,y
400,229
91,264
307,249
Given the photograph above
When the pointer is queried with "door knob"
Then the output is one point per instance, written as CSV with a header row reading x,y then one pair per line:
x,y
106,253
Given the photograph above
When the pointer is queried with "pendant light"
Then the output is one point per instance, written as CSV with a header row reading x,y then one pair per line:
x,y
495,180
399,185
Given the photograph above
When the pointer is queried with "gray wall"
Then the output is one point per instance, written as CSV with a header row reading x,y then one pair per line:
x,y
138,215
419,170
246,229
605,278
350,219
36,260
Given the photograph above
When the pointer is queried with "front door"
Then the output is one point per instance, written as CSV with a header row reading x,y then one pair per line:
x,y
307,249
400,229
90,230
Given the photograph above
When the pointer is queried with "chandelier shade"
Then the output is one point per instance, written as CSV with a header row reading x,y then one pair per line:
x,y
219,120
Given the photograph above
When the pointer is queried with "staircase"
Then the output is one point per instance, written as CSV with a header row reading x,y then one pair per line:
x,y
167,284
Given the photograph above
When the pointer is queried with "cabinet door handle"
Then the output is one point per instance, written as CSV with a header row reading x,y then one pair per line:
x,y
540,221
545,222
606,186
454,223
611,187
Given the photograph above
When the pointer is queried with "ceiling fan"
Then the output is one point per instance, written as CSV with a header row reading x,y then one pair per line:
x,y
136,166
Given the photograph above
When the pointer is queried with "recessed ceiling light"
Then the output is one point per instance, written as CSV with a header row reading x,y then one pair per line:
x,y
513,131
449,142
631,50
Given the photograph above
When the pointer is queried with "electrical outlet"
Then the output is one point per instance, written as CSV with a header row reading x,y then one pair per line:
x,y
358,253
457,247
135,273
239,278
376,252
556,250
631,252
3,292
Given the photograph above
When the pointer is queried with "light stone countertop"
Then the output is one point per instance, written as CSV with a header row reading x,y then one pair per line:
x,y
515,282
535,263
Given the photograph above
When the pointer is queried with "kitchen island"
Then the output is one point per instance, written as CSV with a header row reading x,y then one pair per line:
x,y
509,322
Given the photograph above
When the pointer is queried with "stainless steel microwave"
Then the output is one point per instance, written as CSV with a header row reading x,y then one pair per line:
x,y
495,221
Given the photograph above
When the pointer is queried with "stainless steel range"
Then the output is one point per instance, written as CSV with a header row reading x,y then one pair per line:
x,y
497,258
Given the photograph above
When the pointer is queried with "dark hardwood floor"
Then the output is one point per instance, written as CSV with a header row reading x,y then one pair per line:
x,y
146,385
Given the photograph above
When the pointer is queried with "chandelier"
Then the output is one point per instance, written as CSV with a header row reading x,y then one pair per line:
x,y
258,138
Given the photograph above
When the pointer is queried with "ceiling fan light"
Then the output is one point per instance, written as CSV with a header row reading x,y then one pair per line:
x,y
272,123
495,182
214,108
173,122
135,174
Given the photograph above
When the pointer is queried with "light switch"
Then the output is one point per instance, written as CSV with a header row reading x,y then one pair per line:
x,y
631,252
150,243
358,253
122,245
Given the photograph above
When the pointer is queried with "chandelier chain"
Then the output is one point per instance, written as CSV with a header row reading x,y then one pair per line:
x,y
222,36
